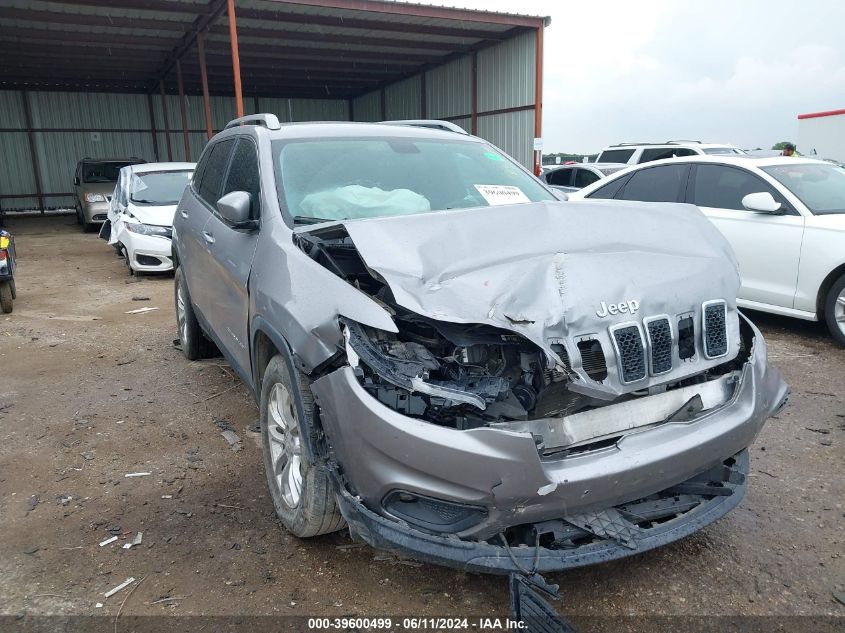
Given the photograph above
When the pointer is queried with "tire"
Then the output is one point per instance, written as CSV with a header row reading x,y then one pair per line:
x,y
125,252
288,393
6,296
834,310
78,215
194,343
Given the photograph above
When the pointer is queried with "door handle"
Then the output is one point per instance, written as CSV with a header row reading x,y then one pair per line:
x,y
184,213
208,237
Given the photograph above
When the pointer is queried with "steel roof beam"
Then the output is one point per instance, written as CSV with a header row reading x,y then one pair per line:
x,y
339,38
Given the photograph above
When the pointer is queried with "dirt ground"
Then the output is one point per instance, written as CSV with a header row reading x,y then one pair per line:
x,y
89,393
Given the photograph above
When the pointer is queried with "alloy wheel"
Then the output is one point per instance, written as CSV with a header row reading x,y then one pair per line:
x,y
285,445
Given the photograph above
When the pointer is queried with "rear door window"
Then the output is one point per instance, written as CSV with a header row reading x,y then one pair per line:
x,y
609,191
723,187
615,156
215,170
656,184
560,177
584,177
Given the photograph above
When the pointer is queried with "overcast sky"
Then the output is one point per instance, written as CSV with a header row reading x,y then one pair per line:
x,y
734,71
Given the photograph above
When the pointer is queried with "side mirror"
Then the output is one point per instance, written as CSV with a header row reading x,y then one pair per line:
x,y
76,181
235,208
762,202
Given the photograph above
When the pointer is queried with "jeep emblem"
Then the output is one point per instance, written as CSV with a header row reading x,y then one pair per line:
x,y
623,307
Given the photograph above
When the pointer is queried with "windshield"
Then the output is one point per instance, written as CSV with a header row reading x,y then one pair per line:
x,y
722,150
159,187
343,179
102,172
820,187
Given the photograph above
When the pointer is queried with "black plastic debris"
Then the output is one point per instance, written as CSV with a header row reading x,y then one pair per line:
x,y
530,608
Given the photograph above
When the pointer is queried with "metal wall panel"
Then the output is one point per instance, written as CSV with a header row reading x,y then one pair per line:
x,y
507,72
196,140
464,123
16,171
89,110
58,153
449,89
403,99
368,107
291,110
11,109
513,132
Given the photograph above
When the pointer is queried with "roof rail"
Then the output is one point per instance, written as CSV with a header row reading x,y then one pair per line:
x,y
436,124
270,121
683,140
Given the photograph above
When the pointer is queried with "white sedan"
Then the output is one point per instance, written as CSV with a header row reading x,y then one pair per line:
x,y
140,217
784,217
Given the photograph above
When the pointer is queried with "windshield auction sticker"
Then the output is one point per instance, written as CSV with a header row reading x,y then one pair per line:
x,y
501,194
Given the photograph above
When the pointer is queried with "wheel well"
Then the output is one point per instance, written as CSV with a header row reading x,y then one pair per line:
x,y
263,350
831,278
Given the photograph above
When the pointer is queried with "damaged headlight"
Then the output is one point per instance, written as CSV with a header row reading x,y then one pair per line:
x,y
462,376
148,229
94,197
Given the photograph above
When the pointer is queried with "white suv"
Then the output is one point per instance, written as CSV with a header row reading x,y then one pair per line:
x,y
636,153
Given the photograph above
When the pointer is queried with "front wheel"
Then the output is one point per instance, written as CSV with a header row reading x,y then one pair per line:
x,y
191,338
834,310
6,295
302,493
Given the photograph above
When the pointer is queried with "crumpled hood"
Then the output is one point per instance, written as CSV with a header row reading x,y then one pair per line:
x,y
160,215
544,269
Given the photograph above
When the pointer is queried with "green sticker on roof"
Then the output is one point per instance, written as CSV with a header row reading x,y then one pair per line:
x,y
493,156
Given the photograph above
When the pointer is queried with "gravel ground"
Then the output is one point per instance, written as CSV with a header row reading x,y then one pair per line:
x,y
89,394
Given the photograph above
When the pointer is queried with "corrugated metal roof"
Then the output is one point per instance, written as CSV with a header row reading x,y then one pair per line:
x,y
307,48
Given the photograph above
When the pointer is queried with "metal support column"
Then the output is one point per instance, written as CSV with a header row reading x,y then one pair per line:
x,y
166,122
183,112
153,130
206,100
474,95
538,101
39,194
236,61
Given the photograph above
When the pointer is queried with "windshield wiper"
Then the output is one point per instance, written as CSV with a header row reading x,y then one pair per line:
x,y
144,201
308,219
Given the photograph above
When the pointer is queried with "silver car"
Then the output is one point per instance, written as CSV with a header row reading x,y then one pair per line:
x,y
455,364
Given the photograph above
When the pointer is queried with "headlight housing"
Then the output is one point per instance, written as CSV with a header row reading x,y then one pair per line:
x,y
94,197
148,229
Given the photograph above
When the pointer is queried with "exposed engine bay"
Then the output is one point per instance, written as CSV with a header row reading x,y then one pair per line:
x,y
457,375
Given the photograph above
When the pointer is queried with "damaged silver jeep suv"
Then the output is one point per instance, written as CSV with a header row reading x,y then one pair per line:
x,y
456,364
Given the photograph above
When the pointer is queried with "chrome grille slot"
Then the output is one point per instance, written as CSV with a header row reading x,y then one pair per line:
x,y
592,359
714,324
659,333
628,341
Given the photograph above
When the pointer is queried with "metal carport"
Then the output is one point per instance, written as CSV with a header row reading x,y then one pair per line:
x,y
156,78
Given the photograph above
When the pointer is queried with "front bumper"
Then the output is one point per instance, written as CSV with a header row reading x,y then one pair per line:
x,y
380,451
94,212
485,557
147,253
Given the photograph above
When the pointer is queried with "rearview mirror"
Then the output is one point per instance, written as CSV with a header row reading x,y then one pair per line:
x,y
235,208
762,202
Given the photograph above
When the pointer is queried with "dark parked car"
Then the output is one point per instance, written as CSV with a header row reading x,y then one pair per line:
x,y
459,366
